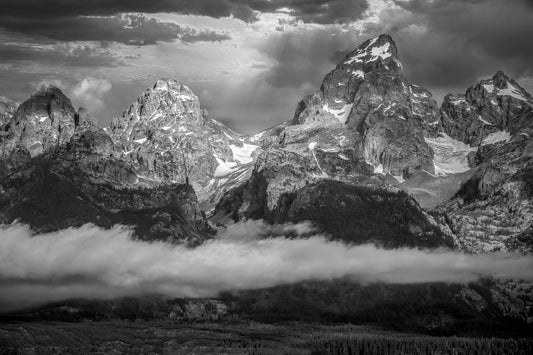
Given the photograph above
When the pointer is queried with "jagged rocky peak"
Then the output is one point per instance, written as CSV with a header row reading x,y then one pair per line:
x,y
492,110
376,51
45,120
169,138
168,96
369,96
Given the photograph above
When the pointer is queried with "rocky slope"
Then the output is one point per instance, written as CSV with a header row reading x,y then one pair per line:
x,y
75,176
494,208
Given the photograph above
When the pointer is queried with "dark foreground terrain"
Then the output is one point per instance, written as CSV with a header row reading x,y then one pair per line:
x,y
126,337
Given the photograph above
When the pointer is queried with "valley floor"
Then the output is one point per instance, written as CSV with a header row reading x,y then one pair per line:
x,y
242,337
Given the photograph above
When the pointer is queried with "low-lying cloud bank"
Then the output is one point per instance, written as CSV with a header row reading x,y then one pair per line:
x,y
90,262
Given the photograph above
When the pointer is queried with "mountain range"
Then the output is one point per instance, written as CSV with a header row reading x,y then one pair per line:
x,y
368,157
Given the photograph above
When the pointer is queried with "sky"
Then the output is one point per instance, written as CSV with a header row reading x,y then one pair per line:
x,y
250,61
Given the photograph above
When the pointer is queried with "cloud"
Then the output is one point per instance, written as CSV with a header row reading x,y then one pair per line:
x,y
129,29
310,11
316,11
60,54
447,45
89,262
91,92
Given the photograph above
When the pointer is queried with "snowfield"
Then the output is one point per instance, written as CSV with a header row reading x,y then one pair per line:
x,y
450,155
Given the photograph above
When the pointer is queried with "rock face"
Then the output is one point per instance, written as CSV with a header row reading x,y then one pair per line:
x,y
43,122
169,138
7,109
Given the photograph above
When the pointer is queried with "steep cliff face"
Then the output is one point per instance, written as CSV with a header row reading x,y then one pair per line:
x,y
7,109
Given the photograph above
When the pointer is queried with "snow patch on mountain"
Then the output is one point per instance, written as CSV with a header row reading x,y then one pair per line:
x,y
243,154
497,137
512,91
489,87
341,114
485,122
450,155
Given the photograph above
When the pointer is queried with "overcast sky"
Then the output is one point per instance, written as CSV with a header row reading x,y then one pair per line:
x,y
250,61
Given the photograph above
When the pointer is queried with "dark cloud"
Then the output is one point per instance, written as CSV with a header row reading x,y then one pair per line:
x,y
464,40
127,29
300,62
316,11
74,56
54,9
311,11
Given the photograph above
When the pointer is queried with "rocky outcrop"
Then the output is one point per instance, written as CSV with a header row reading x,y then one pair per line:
x,y
7,109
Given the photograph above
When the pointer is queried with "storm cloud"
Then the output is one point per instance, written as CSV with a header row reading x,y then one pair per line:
x,y
89,262
129,29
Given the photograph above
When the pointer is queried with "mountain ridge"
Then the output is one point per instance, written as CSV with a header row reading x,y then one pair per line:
x,y
366,126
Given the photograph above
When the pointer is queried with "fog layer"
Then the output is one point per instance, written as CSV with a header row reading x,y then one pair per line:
x,y
89,262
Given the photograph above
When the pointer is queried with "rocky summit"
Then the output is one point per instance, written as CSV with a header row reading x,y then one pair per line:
x,y
383,117
368,157
169,139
